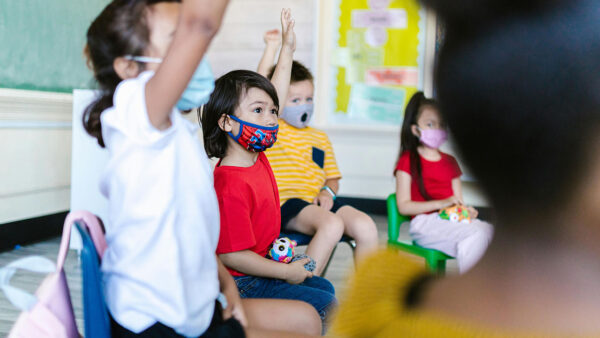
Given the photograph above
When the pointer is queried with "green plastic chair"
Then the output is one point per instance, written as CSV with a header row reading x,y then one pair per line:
x,y
434,259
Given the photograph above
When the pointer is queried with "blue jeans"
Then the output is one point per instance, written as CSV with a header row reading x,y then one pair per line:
x,y
316,291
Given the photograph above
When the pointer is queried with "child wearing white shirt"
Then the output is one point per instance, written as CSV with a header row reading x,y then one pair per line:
x,y
161,275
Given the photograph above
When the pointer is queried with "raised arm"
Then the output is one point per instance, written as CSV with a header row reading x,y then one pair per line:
x,y
272,40
251,263
283,70
199,22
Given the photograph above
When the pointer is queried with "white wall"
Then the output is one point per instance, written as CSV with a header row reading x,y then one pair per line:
x,y
35,127
35,148
239,44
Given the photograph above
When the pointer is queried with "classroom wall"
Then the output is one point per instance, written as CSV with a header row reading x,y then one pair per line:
x,y
239,44
35,127
35,148
367,154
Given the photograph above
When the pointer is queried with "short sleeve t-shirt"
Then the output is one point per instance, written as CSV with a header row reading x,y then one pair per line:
x,y
249,207
302,160
437,176
163,222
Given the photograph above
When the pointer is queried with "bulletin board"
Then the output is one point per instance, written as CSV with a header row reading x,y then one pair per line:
x,y
378,60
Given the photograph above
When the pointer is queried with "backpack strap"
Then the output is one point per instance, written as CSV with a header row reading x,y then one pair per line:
x,y
21,298
92,223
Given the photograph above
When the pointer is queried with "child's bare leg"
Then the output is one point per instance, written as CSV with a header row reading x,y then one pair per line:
x,y
260,333
326,228
362,228
291,316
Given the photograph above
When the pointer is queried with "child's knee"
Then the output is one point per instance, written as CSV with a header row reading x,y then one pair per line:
x,y
332,226
363,228
485,231
310,320
325,285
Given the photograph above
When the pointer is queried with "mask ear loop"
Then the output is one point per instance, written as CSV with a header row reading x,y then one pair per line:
x,y
199,113
235,138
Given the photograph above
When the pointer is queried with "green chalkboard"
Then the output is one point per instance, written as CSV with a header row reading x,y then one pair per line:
x,y
41,43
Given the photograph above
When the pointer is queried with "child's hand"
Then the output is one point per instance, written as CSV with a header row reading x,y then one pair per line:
x,y
296,273
473,213
234,305
272,37
324,200
287,29
450,201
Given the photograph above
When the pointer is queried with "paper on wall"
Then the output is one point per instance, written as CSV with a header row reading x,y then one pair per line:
x,y
374,103
392,76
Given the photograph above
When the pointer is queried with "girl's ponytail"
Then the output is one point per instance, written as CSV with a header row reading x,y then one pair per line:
x,y
91,115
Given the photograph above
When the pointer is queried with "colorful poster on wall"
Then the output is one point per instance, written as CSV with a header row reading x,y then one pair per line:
x,y
378,59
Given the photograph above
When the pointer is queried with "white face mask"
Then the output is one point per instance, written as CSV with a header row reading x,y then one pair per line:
x,y
198,90
298,116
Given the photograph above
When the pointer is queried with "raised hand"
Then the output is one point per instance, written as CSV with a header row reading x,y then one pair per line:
x,y
272,37
287,29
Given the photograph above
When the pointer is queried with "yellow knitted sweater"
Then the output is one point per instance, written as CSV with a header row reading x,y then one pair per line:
x,y
374,305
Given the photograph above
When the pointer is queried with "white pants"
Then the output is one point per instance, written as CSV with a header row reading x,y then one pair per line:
x,y
465,242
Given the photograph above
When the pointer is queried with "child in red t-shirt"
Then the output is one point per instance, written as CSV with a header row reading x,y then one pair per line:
x,y
428,180
239,122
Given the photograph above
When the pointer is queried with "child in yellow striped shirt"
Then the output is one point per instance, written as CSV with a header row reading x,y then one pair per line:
x,y
306,172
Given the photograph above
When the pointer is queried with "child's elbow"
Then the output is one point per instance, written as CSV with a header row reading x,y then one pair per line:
x,y
403,209
200,25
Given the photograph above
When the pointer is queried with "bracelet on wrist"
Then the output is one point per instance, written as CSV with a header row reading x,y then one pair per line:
x,y
330,191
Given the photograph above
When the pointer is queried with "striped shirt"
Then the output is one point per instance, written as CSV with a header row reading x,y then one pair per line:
x,y
302,160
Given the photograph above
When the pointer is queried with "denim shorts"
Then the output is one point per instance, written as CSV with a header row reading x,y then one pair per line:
x,y
317,291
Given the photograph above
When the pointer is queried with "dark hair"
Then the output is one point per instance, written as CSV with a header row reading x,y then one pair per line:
x,y
120,29
521,98
224,100
409,142
299,73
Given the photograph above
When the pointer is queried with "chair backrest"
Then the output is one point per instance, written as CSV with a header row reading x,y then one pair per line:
x,y
95,313
395,219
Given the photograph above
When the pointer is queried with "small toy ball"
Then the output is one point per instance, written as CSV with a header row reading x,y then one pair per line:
x,y
310,266
282,250
456,214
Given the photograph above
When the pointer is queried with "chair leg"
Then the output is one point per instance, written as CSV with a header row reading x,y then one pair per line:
x,y
441,268
352,244
436,266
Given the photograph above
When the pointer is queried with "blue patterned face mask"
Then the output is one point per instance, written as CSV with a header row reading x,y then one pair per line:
x,y
298,116
253,137
198,90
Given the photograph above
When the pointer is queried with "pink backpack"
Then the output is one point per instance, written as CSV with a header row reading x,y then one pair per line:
x,y
49,313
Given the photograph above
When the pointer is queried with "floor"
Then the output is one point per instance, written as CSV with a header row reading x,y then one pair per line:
x,y
340,268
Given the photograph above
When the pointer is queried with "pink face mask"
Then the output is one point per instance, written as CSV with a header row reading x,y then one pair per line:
x,y
433,138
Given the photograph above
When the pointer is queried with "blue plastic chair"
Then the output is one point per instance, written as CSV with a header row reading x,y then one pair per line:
x,y
95,313
302,239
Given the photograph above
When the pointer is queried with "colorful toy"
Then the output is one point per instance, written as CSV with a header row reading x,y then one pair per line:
x,y
282,250
310,266
456,214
